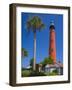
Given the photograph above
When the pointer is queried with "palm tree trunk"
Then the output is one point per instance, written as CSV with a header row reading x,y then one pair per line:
x,y
34,63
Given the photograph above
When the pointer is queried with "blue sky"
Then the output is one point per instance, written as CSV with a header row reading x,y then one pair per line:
x,y
42,38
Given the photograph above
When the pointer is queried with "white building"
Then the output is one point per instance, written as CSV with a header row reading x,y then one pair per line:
x,y
51,67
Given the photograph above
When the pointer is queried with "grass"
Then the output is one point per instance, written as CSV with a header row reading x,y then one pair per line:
x,y
29,73
36,73
25,73
51,74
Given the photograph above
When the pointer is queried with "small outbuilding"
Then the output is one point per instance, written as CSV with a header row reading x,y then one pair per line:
x,y
52,67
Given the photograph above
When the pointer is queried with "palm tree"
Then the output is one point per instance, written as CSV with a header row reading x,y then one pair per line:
x,y
34,24
24,52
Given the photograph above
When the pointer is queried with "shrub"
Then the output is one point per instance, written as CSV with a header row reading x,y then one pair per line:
x,y
55,71
25,73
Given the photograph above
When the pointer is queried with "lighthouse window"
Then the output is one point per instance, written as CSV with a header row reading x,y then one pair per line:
x,y
51,49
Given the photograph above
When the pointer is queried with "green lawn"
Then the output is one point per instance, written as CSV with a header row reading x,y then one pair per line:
x,y
25,73
51,74
29,73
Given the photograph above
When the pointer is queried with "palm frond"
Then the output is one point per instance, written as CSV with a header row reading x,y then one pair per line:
x,y
35,23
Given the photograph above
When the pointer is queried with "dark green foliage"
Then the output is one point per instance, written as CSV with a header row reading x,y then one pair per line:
x,y
24,52
47,60
31,62
55,71
35,23
25,73
50,60
52,74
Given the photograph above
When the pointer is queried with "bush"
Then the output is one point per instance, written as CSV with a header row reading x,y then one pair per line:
x,y
52,74
25,73
55,71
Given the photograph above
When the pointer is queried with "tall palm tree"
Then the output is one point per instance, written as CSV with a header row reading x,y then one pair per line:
x,y
34,24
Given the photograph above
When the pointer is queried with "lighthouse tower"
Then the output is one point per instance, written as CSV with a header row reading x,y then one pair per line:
x,y
52,43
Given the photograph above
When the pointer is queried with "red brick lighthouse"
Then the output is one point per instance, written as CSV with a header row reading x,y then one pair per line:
x,y
52,43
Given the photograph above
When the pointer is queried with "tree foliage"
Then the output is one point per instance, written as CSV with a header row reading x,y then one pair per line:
x,y
35,23
31,62
24,52
47,60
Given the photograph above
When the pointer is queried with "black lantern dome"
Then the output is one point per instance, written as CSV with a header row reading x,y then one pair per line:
x,y
52,25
